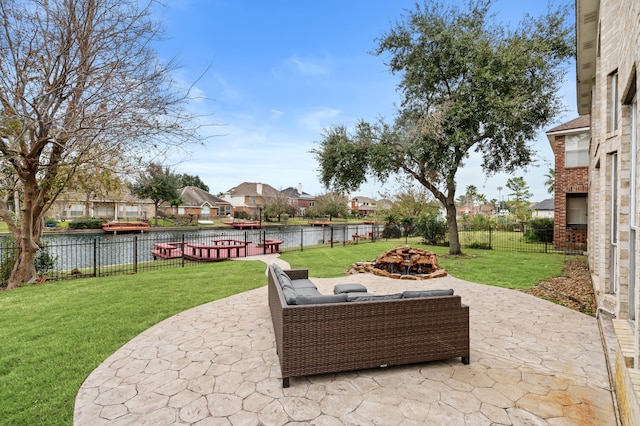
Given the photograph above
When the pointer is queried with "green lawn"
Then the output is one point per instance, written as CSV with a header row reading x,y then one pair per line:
x,y
53,335
493,267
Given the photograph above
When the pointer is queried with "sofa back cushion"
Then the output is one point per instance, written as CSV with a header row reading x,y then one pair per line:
x,y
320,299
354,297
426,293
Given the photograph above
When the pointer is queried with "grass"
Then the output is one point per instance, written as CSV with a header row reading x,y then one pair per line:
x,y
493,267
53,335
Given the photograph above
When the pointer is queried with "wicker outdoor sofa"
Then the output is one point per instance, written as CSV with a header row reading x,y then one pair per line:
x,y
320,334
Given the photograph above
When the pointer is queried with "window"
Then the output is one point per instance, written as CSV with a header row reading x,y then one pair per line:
x,y
576,150
76,210
612,102
224,210
128,211
577,212
205,211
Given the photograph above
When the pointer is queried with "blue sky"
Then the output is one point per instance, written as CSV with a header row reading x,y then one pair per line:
x,y
273,74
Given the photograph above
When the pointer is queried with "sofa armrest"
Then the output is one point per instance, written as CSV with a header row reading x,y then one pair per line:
x,y
297,274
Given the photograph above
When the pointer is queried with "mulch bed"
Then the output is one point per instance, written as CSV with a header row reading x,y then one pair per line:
x,y
573,289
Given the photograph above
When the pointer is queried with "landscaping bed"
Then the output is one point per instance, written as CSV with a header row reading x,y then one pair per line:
x,y
573,289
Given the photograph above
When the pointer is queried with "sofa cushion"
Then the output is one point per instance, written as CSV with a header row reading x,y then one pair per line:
x,y
290,295
321,299
276,269
284,280
426,293
308,291
304,283
372,297
353,295
349,288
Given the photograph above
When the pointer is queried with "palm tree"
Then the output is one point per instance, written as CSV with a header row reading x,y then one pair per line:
x,y
550,183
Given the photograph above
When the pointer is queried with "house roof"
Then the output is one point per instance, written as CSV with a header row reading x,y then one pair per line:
x,y
581,124
251,189
196,197
361,200
547,204
586,47
292,192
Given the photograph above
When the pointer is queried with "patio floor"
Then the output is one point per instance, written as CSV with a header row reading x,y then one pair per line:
x,y
532,362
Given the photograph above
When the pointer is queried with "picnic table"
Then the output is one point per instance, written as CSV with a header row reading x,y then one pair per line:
x,y
169,250
271,246
213,251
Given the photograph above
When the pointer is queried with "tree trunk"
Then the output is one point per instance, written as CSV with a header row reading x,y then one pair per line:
x,y
27,238
452,223
24,270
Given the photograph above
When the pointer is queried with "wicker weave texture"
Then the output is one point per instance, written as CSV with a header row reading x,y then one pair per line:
x,y
328,338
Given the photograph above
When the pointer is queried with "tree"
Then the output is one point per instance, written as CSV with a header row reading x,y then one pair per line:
x,y
330,204
158,184
412,202
468,85
188,180
81,89
277,204
550,183
521,196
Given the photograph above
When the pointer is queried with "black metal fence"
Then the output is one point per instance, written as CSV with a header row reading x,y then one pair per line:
x,y
70,255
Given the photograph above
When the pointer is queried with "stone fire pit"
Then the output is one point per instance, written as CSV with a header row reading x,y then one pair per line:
x,y
404,263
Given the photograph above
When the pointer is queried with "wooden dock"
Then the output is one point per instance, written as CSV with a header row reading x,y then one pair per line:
x,y
244,225
122,227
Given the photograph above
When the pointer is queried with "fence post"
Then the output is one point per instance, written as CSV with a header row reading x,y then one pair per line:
x,y
301,239
184,247
135,254
490,234
95,257
373,231
344,235
264,241
331,236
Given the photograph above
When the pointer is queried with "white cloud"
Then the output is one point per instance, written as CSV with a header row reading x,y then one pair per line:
x,y
312,67
319,119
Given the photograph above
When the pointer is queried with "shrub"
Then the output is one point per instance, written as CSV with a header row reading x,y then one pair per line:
x,y
44,261
7,260
432,229
391,230
478,245
481,222
86,223
539,230
240,214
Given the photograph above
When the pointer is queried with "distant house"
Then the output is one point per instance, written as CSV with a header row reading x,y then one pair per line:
x,y
543,209
199,204
385,204
250,197
113,206
299,199
364,206
570,144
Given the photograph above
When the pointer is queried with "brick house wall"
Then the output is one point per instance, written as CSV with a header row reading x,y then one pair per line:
x,y
569,182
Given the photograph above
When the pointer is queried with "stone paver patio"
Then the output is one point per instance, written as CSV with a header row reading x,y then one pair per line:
x,y
532,363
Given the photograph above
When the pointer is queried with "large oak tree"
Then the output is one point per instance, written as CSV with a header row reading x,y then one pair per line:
x,y
469,87
81,89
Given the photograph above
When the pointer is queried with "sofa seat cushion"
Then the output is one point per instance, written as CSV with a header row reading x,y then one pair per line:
x,y
305,283
375,297
321,299
308,291
349,288
426,293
